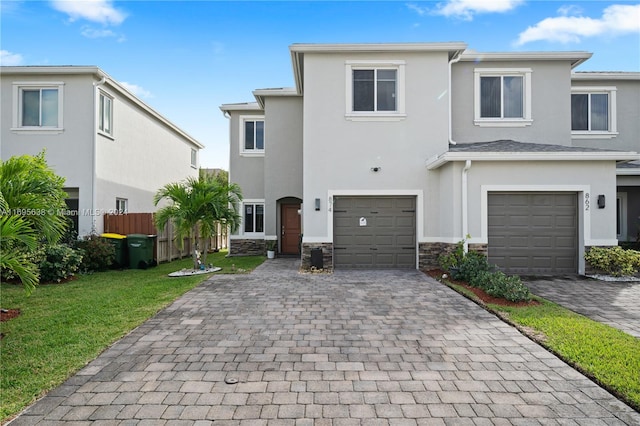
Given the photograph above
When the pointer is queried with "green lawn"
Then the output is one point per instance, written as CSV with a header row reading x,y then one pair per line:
x,y
64,326
606,354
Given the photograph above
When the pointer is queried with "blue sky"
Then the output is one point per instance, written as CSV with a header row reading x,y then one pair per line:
x,y
186,58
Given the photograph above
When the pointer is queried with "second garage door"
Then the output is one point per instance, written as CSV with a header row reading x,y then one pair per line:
x,y
533,232
374,232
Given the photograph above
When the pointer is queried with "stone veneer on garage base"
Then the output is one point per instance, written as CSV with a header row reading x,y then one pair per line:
x,y
327,255
429,253
246,247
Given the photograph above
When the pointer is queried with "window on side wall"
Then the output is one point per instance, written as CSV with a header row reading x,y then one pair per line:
x,y
38,106
252,135
253,218
105,114
375,90
194,158
502,97
122,205
593,112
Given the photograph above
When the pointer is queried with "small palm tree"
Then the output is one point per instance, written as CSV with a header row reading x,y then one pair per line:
x,y
197,207
31,199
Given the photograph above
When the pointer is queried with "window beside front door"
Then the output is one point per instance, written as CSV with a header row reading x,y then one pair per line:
x,y
502,97
253,217
593,112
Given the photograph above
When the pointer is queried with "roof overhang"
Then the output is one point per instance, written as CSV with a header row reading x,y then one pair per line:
x,y
628,171
298,51
575,58
582,75
245,106
448,157
260,94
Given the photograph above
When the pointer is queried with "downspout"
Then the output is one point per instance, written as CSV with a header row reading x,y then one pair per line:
x,y
94,174
465,215
451,62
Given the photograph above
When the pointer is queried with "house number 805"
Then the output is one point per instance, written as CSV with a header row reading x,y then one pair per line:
x,y
586,201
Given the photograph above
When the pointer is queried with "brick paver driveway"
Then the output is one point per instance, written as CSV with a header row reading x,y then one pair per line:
x,y
613,303
370,348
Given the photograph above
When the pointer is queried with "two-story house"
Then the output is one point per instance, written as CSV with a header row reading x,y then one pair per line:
x,y
114,150
386,155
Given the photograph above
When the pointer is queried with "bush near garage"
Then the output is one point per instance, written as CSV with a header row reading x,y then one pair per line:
x,y
473,268
614,261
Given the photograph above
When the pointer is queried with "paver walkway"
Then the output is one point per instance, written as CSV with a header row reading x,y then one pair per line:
x,y
350,348
613,303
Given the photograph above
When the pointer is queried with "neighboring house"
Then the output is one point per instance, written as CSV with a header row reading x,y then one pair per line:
x,y
387,155
114,151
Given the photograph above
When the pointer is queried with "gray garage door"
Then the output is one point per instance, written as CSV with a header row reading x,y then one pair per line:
x,y
533,232
374,232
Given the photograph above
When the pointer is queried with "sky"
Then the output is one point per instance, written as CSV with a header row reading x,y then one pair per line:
x,y
186,58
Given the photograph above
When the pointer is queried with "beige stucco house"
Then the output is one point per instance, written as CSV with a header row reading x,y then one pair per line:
x,y
114,150
385,155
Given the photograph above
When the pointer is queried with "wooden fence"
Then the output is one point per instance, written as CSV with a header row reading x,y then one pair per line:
x,y
165,245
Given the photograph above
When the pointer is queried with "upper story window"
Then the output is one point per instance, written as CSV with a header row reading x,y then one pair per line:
x,y
194,158
593,112
375,90
502,97
105,114
122,205
253,217
38,106
252,135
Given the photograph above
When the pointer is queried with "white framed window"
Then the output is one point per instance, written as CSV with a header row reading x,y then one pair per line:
x,y
593,112
253,217
122,205
194,158
502,97
105,114
38,106
375,90
252,135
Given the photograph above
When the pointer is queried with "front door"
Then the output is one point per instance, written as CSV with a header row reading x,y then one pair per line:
x,y
290,229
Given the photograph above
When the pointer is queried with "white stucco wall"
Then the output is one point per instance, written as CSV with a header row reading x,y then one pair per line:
x,y
339,153
550,104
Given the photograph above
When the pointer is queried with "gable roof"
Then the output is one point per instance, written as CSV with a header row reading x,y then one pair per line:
x,y
103,78
509,150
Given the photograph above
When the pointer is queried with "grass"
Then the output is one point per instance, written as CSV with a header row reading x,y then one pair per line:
x,y
64,326
607,355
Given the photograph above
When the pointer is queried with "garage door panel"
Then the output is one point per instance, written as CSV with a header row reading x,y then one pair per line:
x,y
383,242
533,232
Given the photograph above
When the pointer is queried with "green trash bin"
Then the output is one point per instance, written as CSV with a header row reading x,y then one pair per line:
x,y
141,251
119,243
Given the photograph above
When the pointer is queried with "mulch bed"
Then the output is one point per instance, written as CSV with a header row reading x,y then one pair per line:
x,y
437,274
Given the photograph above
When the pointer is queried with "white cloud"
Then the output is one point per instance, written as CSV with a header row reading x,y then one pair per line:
x,y
466,9
90,32
10,59
615,20
136,90
101,11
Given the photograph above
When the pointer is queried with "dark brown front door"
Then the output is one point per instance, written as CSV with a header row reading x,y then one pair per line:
x,y
290,229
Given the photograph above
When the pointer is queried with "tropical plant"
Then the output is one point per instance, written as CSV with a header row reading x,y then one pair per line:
x,y
31,199
198,207
98,254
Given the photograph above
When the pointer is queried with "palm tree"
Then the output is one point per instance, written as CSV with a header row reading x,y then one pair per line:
x,y
31,202
197,207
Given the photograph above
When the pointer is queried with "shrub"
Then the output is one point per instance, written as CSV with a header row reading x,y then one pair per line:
x,y
58,262
614,261
471,265
99,254
507,287
452,260
482,279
